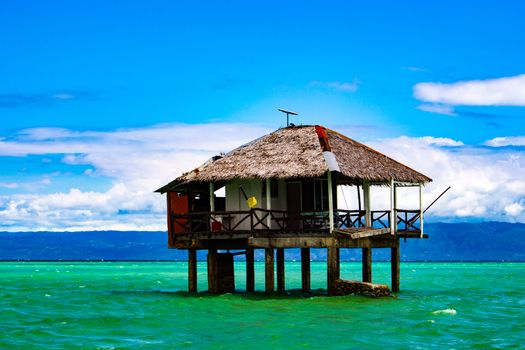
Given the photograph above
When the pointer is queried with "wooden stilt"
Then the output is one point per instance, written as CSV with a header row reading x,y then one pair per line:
x,y
192,270
305,269
213,281
250,270
280,270
367,264
395,264
269,270
333,268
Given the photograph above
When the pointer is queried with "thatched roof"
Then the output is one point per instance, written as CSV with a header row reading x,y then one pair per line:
x,y
296,152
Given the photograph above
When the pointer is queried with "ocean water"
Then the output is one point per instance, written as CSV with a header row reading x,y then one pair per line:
x,y
143,305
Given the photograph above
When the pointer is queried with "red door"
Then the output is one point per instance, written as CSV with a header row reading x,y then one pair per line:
x,y
177,204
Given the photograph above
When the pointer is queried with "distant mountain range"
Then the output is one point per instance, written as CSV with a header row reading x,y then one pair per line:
x,y
490,241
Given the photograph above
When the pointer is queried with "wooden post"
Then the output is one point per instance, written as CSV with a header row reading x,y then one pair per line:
x,y
367,264
212,203
280,270
212,196
366,200
395,265
269,203
392,208
333,268
192,270
269,270
213,281
305,269
421,212
330,201
250,270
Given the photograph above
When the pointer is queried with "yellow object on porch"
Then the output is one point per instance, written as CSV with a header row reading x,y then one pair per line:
x,y
252,202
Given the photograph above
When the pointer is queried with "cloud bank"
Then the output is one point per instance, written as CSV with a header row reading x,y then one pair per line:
x,y
507,91
442,98
487,181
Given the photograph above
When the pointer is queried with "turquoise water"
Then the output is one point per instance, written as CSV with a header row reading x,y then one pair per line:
x,y
102,305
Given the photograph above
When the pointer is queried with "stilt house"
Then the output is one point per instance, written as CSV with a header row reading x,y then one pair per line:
x,y
280,191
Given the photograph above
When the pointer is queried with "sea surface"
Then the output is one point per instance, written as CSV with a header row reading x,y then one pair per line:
x,y
143,305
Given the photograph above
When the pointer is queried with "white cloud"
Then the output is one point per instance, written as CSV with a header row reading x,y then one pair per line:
x,y
138,160
486,182
506,141
507,91
441,141
514,209
8,184
337,85
415,69
439,109
62,96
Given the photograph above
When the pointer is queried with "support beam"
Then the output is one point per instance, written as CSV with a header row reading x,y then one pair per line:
x,y
212,196
250,270
280,270
221,276
332,268
367,264
421,212
213,281
393,219
395,266
366,200
330,201
305,269
269,270
192,270
269,202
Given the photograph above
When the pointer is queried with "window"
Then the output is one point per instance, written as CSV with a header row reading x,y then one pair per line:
x,y
274,188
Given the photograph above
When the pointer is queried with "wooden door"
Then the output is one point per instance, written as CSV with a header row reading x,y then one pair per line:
x,y
293,205
178,204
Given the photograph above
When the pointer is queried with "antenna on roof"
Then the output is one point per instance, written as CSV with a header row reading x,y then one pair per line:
x,y
288,113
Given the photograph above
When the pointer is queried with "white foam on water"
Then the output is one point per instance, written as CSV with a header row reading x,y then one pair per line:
x,y
445,312
48,295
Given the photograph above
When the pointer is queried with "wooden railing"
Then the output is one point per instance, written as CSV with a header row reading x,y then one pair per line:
x,y
408,220
282,221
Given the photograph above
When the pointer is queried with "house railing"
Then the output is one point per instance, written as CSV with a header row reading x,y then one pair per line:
x,y
259,219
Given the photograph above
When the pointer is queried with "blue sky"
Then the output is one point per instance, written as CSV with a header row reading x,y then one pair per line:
x,y
85,85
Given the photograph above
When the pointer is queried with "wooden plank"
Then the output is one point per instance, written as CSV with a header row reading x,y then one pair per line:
x,y
322,242
395,267
305,269
250,270
192,270
269,270
367,264
370,233
280,270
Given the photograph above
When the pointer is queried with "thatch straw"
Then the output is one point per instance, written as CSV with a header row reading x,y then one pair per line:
x,y
361,162
295,152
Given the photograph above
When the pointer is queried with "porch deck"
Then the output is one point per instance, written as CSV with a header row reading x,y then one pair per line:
x,y
263,223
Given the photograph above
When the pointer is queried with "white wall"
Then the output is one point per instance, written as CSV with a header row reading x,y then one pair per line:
x,y
253,187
